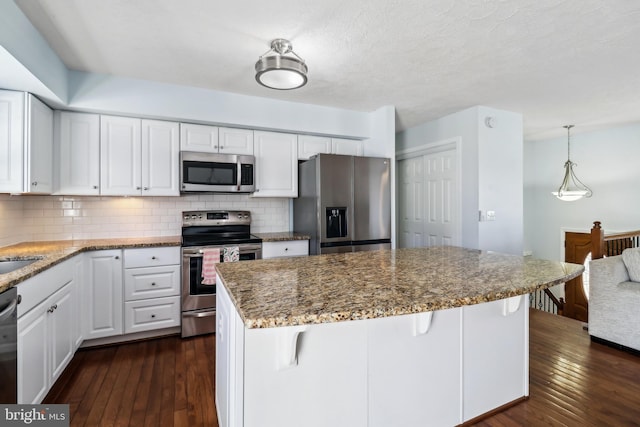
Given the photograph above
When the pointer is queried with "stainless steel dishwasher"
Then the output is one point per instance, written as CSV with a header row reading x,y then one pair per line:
x,y
9,346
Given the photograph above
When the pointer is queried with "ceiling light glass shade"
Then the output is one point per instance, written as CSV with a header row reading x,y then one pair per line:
x,y
281,72
572,188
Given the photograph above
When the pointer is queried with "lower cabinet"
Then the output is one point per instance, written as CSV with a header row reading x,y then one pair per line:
x,y
102,294
46,334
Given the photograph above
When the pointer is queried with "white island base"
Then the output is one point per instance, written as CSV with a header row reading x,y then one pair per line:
x,y
440,368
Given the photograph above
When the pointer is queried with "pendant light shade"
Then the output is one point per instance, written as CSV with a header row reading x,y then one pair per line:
x,y
571,188
278,71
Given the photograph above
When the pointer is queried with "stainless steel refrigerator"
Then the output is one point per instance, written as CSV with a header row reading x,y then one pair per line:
x,y
344,203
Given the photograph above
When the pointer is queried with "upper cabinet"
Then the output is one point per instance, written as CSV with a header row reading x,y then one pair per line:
x,y
309,145
276,164
138,157
235,141
350,147
211,139
26,144
77,153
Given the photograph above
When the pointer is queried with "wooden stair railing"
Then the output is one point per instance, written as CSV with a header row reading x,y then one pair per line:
x,y
611,244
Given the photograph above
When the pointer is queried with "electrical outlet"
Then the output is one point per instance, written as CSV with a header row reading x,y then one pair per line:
x,y
491,215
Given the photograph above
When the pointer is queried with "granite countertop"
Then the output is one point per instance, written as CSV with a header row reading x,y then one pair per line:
x,y
54,252
365,285
282,236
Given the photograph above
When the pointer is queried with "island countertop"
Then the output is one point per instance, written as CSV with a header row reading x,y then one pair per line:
x,y
366,285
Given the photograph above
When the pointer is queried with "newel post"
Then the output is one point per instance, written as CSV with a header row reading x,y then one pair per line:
x,y
597,241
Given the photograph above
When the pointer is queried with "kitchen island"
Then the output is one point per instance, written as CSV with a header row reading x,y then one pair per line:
x,y
411,337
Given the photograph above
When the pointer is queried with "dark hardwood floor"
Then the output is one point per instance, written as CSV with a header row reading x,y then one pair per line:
x,y
170,382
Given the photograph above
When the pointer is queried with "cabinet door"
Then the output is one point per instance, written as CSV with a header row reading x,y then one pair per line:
x,y
324,386
103,294
347,147
39,147
200,138
495,366
235,141
120,156
276,164
11,140
414,369
160,163
309,145
61,330
33,362
77,153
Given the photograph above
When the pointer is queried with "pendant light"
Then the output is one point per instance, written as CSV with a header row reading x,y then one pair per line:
x,y
278,71
571,188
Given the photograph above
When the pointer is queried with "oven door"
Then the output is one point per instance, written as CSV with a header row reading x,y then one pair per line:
x,y
196,295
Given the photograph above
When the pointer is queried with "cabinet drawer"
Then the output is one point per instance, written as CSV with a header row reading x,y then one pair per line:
x,y
151,282
149,314
285,248
149,257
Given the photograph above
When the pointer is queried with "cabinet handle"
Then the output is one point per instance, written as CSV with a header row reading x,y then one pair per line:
x,y
286,249
145,188
215,146
34,183
138,188
116,257
153,283
95,187
153,316
153,257
222,147
50,310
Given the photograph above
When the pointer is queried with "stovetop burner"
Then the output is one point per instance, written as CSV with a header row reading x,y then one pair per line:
x,y
205,228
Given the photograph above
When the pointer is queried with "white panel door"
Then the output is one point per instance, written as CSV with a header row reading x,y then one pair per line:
x,y
39,172
347,147
77,153
411,202
441,208
201,138
120,156
160,163
33,360
309,145
61,330
428,200
11,140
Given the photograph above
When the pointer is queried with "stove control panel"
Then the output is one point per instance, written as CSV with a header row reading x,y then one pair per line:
x,y
199,218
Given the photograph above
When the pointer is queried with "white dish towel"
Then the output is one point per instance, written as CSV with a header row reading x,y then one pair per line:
x,y
210,257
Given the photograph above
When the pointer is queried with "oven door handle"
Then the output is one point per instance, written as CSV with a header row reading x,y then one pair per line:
x,y
199,314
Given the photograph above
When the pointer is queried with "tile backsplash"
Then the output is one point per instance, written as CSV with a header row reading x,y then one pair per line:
x,y
34,218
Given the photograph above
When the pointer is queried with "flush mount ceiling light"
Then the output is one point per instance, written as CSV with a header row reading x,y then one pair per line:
x,y
278,71
571,188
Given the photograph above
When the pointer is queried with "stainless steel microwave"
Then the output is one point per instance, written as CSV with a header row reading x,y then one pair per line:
x,y
211,173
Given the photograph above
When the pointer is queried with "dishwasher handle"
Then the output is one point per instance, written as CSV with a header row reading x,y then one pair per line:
x,y
8,310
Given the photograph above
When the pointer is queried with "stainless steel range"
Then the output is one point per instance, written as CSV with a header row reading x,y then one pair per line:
x,y
204,230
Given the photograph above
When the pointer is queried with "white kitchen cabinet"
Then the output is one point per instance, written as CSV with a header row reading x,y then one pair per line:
x,y
26,144
151,289
77,153
120,156
211,139
160,158
235,141
79,282
287,248
350,147
414,366
138,157
45,330
102,294
496,351
276,168
200,138
310,145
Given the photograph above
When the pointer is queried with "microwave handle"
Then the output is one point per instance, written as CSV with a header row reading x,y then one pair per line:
x,y
239,175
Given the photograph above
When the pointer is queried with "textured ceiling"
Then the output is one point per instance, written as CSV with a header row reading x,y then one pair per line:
x,y
556,62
